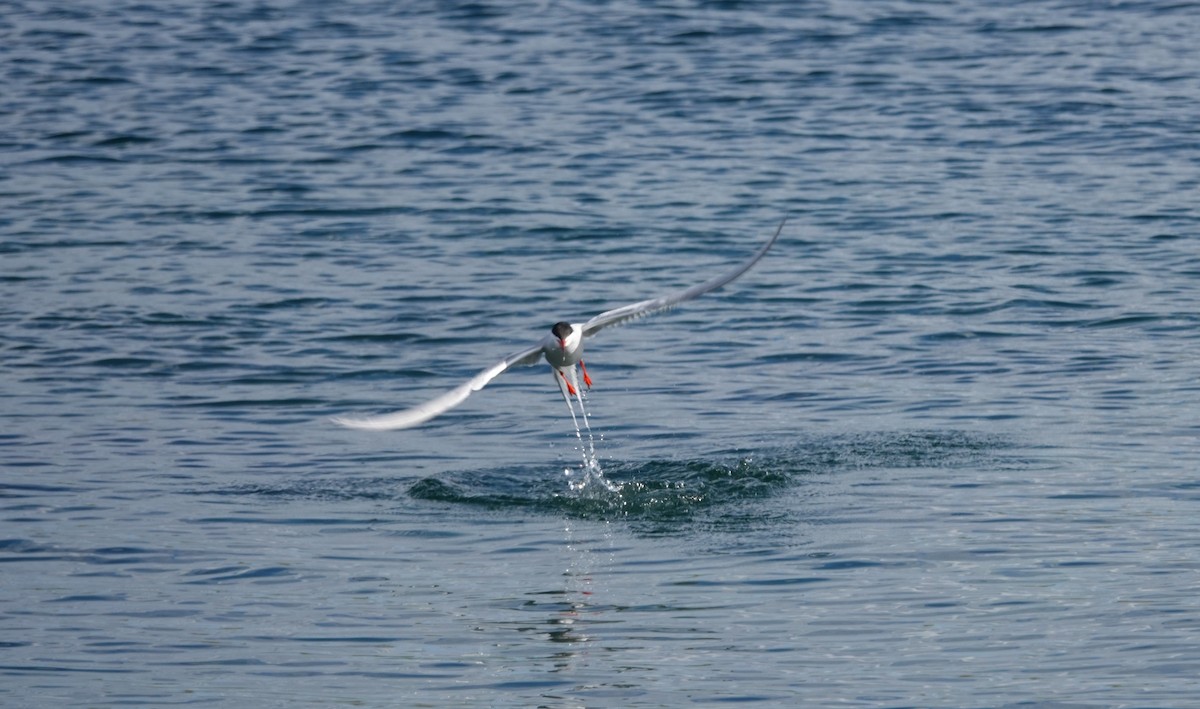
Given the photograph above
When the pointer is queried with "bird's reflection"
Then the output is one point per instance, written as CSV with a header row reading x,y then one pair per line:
x,y
573,621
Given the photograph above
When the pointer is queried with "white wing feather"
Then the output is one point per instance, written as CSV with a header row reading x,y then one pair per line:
x,y
445,402
625,313
454,397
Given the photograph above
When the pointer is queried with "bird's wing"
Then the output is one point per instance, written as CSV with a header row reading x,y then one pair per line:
x,y
445,402
625,313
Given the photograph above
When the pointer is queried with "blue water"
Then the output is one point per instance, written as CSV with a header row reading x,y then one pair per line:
x,y
939,449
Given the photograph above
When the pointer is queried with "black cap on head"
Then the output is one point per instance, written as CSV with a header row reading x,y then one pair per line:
x,y
561,330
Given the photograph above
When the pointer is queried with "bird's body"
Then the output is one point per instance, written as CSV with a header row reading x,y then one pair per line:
x,y
562,349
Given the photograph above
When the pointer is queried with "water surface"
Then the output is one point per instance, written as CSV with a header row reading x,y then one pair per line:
x,y
938,449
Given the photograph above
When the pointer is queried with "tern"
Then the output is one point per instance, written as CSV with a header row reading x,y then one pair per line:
x,y
562,349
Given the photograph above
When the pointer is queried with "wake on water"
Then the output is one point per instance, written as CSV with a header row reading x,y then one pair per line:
x,y
734,490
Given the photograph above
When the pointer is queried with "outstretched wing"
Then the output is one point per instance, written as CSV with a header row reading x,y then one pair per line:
x,y
454,397
445,402
625,313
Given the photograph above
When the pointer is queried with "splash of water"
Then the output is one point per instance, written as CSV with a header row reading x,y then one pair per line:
x,y
590,476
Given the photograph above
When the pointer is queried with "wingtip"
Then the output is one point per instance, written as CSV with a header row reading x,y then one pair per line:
x,y
782,223
358,424
341,421
390,422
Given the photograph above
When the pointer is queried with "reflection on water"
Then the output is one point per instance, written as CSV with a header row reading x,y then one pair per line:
x,y
574,611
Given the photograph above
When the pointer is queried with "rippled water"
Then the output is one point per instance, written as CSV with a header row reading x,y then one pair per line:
x,y
938,449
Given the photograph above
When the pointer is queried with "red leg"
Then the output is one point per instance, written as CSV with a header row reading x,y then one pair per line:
x,y
586,379
566,381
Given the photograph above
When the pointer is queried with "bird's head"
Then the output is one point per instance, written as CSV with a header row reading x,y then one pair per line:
x,y
562,330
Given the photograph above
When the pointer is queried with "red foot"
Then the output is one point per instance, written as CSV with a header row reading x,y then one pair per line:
x,y
570,389
586,379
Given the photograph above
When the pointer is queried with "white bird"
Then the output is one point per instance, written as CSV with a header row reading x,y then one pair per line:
x,y
562,348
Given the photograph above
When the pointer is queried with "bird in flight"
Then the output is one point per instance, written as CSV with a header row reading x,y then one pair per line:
x,y
562,348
